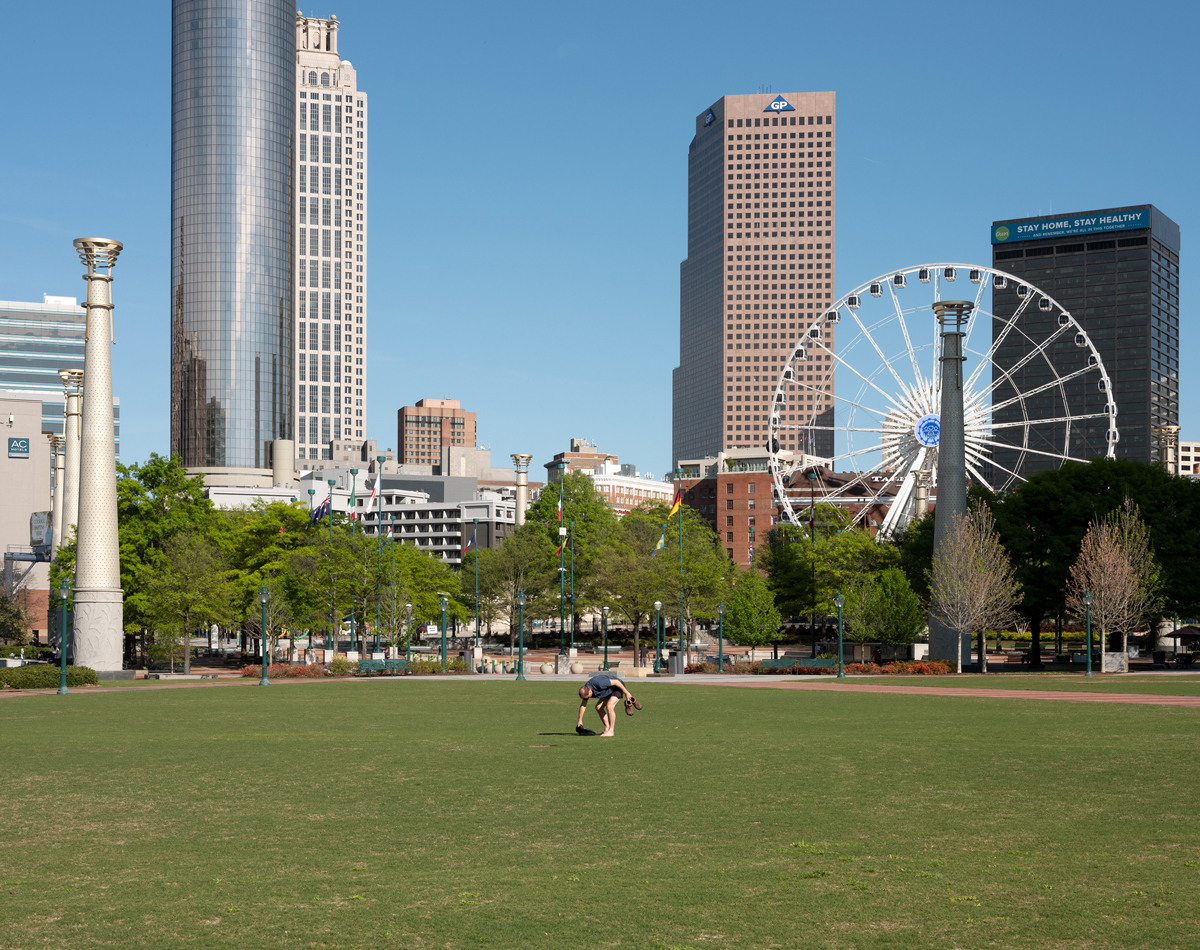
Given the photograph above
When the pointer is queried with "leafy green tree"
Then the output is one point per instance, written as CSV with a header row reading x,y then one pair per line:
x,y
190,587
699,576
594,526
627,573
156,499
525,562
792,560
882,607
260,542
1043,522
751,617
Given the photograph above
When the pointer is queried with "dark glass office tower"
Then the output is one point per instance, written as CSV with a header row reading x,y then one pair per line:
x,y
1117,272
233,108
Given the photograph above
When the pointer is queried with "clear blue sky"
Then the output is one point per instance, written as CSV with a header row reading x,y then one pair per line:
x,y
528,164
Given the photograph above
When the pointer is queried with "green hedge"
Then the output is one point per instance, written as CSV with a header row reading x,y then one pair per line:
x,y
45,677
31,650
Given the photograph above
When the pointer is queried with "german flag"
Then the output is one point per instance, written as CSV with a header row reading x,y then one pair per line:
x,y
677,503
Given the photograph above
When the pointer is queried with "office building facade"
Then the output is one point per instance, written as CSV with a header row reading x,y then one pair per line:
x,y
1117,272
760,200
331,237
431,425
233,139
36,341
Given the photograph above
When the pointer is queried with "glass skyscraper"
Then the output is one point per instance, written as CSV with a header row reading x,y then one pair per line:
x,y
233,118
1116,271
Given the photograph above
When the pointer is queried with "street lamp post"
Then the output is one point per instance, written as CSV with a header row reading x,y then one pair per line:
x,y
333,624
443,603
407,633
841,602
605,612
812,540
353,509
311,492
263,597
657,634
475,548
521,638
562,547
64,590
1087,602
678,473
572,537
721,637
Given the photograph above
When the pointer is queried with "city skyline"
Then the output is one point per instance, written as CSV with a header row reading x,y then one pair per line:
x,y
486,211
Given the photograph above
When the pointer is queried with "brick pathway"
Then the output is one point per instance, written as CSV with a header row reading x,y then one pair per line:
x,y
1050,694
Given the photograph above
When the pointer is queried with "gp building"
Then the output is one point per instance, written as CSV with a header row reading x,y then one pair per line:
x,y
1117,271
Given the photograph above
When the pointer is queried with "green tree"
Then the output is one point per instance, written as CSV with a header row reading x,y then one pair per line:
x,y
190,587
525,562
594,526
751,617
882,607
156,499
1043,522
627,573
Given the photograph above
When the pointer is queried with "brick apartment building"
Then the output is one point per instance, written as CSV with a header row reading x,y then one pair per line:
x,y
583,457
423,430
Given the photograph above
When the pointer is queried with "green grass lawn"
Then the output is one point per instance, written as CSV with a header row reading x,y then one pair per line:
x,y
463,814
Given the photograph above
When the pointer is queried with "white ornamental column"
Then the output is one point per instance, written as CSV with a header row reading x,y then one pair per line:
x,y
72,397
522,472
56,513
98,597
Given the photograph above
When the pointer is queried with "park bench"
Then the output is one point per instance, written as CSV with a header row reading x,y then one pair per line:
x,y
1185,660
791,662
389,666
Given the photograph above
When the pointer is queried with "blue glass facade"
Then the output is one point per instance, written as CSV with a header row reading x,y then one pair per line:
x,y
36,341
232,134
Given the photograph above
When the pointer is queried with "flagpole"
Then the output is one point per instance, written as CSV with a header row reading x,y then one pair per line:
x,y
572,536
562,532
475,548
682,644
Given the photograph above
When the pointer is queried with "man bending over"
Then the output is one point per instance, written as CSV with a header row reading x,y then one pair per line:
x,y
606,690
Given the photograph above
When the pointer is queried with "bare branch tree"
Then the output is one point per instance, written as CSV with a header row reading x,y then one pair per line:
x,y
973,585
1117,566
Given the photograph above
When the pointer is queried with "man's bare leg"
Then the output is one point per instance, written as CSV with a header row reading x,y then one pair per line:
x,y
610,715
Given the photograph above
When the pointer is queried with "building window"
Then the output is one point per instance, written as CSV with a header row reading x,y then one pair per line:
x,y
729,488
324,79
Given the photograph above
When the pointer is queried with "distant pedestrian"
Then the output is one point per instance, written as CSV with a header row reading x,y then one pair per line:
x,y
645,653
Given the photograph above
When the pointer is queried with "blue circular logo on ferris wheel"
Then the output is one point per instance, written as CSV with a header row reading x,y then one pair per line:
x,y
927,430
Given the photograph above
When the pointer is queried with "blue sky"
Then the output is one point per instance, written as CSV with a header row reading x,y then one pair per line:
x,y
528,162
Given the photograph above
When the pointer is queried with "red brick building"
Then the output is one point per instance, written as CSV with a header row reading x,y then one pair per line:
x,y
425,429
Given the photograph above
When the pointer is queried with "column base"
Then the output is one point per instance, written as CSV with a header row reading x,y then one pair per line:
x,y
99,630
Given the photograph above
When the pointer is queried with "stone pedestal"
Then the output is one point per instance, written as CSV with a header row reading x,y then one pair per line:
x,y
562,664
1114,663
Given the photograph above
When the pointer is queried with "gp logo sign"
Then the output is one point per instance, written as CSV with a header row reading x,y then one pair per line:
x,y
779,104
18,448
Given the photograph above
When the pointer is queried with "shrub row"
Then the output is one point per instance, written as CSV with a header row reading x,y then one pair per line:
x,y
45,677
903,668
286,671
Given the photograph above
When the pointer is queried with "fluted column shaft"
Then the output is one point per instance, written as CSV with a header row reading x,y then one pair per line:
x,y
98,596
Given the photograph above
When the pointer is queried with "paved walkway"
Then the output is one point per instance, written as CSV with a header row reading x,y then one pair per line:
x,y
1050,694
818,683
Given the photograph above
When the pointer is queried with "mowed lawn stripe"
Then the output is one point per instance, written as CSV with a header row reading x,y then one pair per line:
x,y
456,814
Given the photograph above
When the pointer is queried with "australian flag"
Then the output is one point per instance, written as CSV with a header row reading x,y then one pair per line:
x,y
321,511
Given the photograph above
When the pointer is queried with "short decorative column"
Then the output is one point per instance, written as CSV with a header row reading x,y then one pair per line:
x,y
72,397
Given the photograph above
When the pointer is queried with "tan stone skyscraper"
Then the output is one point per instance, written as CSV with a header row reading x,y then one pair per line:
x,y
759,268
331,242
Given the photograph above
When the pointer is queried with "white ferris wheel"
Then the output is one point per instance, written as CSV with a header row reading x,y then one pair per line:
x,y
1036,396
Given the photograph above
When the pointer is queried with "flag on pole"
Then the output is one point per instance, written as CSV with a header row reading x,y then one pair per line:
x,y
471,543
391,529
677,503
374,497
662,543
321,510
